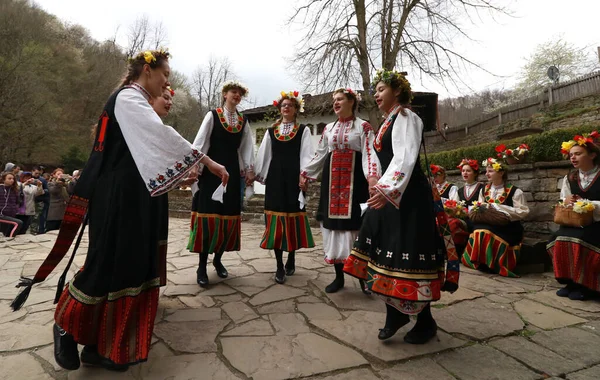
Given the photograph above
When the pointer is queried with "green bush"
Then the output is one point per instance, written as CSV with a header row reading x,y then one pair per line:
x,y
544,147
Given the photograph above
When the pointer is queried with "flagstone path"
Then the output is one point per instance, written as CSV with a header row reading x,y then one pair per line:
x,y
248,327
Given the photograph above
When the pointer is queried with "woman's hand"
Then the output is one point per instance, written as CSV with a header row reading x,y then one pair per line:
x,y
218,170
303,183
250,178
372,182
377,201
571,199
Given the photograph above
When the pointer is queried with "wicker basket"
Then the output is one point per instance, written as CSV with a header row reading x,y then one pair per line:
x,y
489,215
565,216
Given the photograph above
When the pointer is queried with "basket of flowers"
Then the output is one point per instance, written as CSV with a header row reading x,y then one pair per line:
x,y
578,214
455,209
480,212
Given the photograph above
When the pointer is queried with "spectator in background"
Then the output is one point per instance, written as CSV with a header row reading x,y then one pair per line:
x,y
30,188
57,187
73,182
9,197
42,201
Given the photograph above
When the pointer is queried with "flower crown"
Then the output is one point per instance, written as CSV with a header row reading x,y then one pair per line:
x,y
233,84
387,76
503,152
581,140
149,56
171,91
291,95
435,169
350,91
472,163
497,165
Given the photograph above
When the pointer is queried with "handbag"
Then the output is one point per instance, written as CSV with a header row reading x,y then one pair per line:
x,y
565,216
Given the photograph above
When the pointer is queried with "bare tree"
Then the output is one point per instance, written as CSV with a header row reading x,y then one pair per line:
x,y
144,35
207,81
345,40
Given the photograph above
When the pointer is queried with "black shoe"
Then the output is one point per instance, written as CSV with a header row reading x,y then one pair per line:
x,y
336,285
221,271
91,357
290,269
389,331
364,287
576,295
65,349
563,292
280,276
421,334
202,277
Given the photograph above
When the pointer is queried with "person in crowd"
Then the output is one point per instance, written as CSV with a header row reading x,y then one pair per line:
x,y
575,251
9,204
110,305
57,187
216,218
350,168
42,201
284,150
397,249
29,188
447,190
494,246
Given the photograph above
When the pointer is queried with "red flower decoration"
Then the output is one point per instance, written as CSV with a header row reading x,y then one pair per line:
x,y
450,203
500,148
171,91
435,169
509,152
524,146
594,135
275,103
296,93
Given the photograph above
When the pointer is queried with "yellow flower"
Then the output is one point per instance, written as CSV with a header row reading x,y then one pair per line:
x,y
148,57
283,94
567,145
497,167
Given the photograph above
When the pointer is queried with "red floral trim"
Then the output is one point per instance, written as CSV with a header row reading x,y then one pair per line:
x,y
386,124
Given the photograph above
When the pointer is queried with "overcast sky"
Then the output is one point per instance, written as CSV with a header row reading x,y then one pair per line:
x,y
254,36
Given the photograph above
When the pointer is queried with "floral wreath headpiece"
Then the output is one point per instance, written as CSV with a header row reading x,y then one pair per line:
x,y
436,169
581,140
149,56
467,161
350,91
233,84
291,95
171,91
387,76
497,165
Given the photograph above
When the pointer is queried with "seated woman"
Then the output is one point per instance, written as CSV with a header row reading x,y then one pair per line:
x,y
446,189
469,170
492,247
576,251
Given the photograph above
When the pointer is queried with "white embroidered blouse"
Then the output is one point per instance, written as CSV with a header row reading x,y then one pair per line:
x,y
518,211
354,134
585,179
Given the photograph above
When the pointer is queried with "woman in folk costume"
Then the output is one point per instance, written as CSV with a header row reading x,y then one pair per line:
x,y
286,147
110,305
576,250
351,169
492,247
397,249
447,190
216,220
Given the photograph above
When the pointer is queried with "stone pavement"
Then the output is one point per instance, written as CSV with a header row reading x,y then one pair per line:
x,y
248,327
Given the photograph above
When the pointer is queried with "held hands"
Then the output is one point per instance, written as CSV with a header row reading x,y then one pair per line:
x,y
250,178
303,183
191,178
372,182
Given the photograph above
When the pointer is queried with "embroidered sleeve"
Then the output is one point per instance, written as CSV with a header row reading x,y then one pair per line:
x,y
162,156
519,209
370,161
263,159
202,140
406,143
307,149
247,148
314,167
